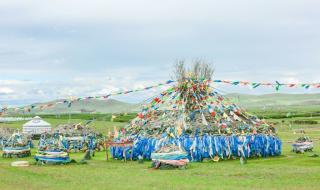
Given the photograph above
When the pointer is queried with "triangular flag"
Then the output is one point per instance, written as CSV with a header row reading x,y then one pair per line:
x,y
204,121
116,132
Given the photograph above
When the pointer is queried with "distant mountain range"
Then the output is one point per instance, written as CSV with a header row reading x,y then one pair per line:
x,y
243,100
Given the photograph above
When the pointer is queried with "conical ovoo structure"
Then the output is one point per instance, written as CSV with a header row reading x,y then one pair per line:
x,y
195,117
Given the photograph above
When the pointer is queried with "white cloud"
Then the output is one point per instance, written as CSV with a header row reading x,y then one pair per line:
x,y
55,49
14,82
104,11
6,90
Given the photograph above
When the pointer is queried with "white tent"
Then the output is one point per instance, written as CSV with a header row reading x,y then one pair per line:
x,y
36,126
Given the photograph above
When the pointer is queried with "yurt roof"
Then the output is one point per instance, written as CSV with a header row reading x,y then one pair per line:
x,y
37,122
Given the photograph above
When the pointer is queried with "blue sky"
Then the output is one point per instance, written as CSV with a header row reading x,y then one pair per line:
x,y
56,49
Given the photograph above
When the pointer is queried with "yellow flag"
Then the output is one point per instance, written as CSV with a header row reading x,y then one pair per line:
x,y
179,130
116,132
225,115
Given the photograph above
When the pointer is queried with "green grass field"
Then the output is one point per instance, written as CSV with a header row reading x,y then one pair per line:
x,y
289,171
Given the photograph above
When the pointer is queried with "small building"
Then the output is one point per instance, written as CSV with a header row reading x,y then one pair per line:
x,y
36,126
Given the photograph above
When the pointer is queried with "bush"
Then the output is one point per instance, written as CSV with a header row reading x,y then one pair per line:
x,y
300,122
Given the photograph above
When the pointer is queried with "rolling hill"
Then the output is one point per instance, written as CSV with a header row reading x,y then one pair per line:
x,y
250,102
266,101
89,106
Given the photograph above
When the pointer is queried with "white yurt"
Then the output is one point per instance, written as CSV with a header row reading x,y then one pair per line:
x,y
36,126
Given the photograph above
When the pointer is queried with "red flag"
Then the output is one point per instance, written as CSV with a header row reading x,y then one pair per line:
x,y
140,115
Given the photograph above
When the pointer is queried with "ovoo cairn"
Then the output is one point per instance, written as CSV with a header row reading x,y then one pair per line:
x,y
195,117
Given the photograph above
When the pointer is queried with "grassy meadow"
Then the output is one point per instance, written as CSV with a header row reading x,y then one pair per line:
x,y
289,171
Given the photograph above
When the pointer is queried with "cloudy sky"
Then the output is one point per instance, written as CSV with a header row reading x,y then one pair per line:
x,y
56,49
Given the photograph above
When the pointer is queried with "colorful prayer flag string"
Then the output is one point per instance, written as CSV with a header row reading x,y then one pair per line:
x,y
277,86
69,102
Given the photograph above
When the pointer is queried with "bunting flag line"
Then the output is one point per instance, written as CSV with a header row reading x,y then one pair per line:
x,y
70,101
276,85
